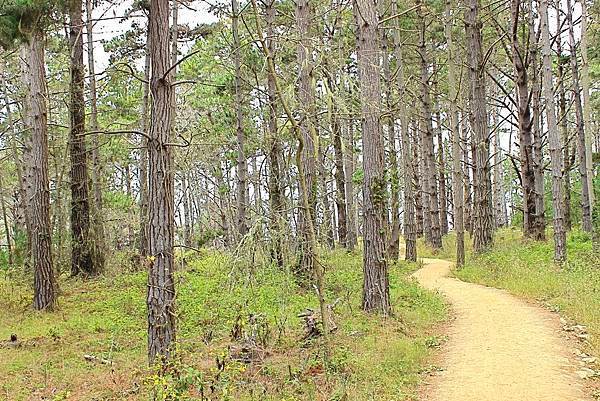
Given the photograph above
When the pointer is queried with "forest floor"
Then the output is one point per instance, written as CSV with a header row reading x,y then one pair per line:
x,y
499,347
93,348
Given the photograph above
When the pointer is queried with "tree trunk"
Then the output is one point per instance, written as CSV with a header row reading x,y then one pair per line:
x,y
98,241
274,152
442,175
532,227
560,249
390,130
537,157
349,169
376,295
430,191
562,118
587,104
161,285
9,247
482,208
82,261
327,226
410,223
416,169
310,149
143,123
457,174
242,164
586,210
37,191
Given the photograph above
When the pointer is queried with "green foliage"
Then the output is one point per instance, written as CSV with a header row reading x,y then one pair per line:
x,y
369,358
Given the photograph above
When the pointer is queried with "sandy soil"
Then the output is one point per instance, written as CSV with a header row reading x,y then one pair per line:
x,y
499,347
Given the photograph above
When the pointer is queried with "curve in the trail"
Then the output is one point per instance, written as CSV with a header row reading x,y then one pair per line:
x,y
499,347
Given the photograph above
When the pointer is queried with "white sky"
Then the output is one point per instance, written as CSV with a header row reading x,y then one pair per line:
x,y
108,29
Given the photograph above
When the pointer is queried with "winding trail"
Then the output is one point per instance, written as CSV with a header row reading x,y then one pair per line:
x,y
499,347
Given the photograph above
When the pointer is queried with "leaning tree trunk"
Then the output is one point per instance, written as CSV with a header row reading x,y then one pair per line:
x,y
531,220
457,174
36,175
560,249
82,261
410,222
242,164
98,242
306,99
586,209
482,209
376,293
161,284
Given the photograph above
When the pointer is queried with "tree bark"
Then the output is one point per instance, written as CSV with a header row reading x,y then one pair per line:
x,y
560,249
586,210
82,261
242,164
482,208
390,130
587,105
376,295
532,227
161,284
430,190
97,218
143,166
310,149
37,191
562,121
410,222
457,173
275,152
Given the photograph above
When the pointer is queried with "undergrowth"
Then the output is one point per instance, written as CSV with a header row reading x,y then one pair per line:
x,y
221,303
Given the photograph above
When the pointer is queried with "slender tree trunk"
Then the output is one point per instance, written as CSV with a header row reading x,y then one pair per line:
x,y
82,261
430,190
327,226
416,169
275,152
97,218
532,227
187,214
587,105
457,173
242,164
537,156
467,178
310,149
37,190
482,208
410,223
389,121
9,247
161,284
443,198
376,294
586,210
560,249
562,121
143,123
349,187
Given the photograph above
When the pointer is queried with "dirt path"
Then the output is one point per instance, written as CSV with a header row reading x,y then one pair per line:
x,y
499,348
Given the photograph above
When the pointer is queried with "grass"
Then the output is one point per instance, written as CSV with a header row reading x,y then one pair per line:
x,y
526,268
369,358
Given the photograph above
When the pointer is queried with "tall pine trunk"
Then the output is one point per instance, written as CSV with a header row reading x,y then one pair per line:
x,y
482,209
586,209
37,189
82,261
161,284
560,249
376,293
